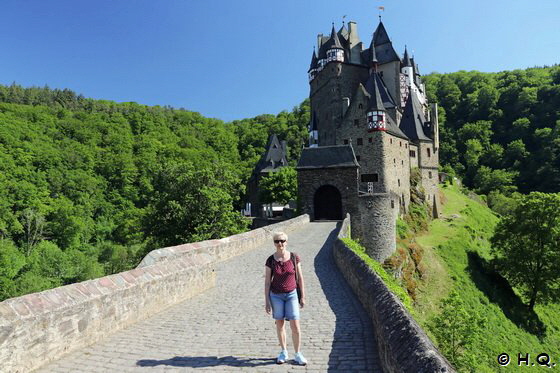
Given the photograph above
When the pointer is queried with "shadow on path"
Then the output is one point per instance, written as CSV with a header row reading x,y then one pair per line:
x,y
499,291
207,361
353,347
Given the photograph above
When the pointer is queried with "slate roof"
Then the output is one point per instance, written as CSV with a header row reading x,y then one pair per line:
x,y
274,157
412,121
406,59
334,41
334,156
313,61
383,46
376,84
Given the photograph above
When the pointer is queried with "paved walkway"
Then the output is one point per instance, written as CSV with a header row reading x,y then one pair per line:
x,y
227,330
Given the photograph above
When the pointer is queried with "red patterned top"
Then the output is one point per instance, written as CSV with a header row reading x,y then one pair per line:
x,y
283,274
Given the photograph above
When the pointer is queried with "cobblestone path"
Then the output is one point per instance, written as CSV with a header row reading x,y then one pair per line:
x,y
227,330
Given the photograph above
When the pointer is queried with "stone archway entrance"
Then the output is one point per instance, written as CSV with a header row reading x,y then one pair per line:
x,y
327,203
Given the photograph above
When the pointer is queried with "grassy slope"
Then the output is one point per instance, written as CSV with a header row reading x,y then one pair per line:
x,y
456,256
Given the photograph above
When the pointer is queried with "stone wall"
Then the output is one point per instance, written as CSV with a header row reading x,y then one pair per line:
x,y
402,345
38,328
378,214
227,247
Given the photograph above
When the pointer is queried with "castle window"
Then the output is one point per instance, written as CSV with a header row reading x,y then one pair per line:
x,y
370,178
429,152
360,106
356,122
430,174
399,181
402,162
405,145
360,141
400,144
370,140
392,204
345,141
376,120
391,141
394,161
412,154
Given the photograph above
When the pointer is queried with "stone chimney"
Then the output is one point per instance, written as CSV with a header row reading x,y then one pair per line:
x,y
354,42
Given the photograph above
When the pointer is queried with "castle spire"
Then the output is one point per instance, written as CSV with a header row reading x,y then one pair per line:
x,y
406,58
313,67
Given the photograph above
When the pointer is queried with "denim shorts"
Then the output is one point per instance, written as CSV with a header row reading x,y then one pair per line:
x,y
285,305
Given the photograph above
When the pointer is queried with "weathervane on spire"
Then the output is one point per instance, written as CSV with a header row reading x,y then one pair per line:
x,y
380,8
343,23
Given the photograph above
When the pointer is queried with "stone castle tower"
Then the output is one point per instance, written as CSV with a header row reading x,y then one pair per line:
x,y
371,127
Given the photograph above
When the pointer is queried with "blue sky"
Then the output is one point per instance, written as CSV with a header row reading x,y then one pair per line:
x,y
238,59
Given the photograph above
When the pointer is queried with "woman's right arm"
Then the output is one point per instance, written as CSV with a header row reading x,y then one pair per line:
x,y
267,276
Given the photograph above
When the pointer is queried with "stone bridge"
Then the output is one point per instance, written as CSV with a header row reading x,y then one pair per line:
x,y
200,307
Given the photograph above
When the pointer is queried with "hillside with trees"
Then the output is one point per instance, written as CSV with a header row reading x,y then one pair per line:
x,y
500,132
88,187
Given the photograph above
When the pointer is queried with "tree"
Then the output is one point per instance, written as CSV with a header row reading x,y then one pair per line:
x,y
456,329
280,186
526,246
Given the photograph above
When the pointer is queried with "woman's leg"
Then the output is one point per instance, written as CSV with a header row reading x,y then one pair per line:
x,y
278,308
296,334
281,332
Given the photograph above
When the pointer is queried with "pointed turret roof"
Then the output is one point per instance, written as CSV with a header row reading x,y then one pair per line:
x,y
313,61
274,157
375,100
334,41
383,46
406,59
375,84
343,33
412,121
380,35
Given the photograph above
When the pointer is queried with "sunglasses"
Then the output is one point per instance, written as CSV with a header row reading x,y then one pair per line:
x,y
279,241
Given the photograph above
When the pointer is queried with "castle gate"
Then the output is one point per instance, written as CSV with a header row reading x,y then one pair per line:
x,y
327,203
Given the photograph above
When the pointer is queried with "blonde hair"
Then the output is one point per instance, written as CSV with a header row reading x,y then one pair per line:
x,y
279,235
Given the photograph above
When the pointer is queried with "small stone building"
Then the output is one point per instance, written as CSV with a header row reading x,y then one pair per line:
x,y
273,159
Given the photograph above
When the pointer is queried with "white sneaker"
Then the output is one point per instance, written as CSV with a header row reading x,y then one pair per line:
x,y
281,359
299,359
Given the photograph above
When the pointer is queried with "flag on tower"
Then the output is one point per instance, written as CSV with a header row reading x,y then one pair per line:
x,y
381,8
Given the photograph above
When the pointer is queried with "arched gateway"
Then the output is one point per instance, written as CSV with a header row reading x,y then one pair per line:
x,y
327,203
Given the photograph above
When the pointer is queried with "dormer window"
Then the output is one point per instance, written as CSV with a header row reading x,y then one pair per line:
x,y
376,121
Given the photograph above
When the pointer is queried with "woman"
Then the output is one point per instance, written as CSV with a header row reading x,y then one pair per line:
x,y
281,296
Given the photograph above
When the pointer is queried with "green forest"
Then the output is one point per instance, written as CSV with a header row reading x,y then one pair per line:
x,y
88,187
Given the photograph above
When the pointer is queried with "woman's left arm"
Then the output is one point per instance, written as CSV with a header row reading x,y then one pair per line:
x,y
301,285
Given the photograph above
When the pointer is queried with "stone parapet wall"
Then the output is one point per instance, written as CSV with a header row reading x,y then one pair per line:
x,y
403,346
227,247
38,328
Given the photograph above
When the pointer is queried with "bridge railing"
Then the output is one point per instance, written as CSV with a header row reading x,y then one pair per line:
x,y
402,344
40,327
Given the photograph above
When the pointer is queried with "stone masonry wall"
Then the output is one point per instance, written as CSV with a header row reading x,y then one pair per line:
x,y
224,248
377,219
38,328
403,346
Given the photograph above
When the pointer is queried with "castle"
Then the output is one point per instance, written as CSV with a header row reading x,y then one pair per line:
x,y
371,128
